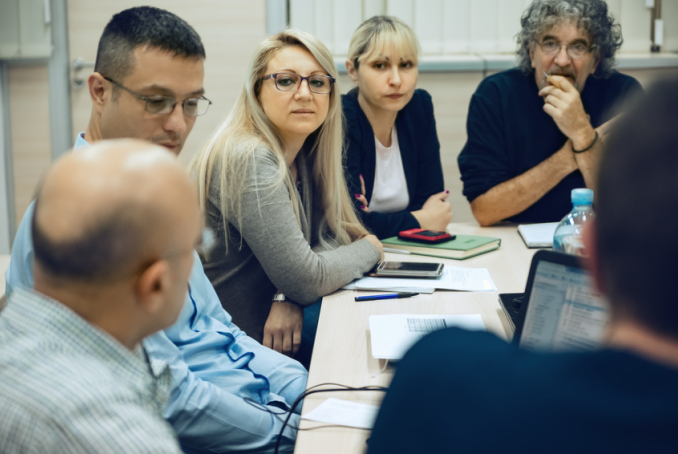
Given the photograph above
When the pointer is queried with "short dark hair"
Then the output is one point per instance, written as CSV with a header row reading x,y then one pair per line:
x,y
637,211
143,26
111,247
592,16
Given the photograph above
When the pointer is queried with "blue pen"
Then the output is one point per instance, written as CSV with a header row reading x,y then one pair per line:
x,y
388,296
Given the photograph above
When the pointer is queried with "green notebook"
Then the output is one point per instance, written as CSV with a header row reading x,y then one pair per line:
x,y
460,248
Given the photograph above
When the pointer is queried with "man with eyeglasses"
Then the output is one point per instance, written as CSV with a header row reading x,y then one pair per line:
x,y
148,84
535,132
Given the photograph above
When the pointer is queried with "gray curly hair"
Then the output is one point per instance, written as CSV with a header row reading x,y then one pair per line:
x,y
591,16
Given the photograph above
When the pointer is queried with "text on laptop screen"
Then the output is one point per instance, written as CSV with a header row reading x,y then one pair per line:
x,y
564,312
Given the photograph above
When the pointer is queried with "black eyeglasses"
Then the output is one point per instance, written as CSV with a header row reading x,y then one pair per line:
x,y
291,82
158,104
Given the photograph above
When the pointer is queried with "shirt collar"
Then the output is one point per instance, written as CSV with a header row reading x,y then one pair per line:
x,y
80,141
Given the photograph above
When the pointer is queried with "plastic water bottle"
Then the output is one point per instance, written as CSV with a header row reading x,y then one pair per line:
x,y
568,235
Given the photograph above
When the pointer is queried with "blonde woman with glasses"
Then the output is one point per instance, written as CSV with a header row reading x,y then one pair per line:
x,y
392,148
272,186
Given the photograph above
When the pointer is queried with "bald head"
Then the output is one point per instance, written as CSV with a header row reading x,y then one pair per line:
x,y
104,212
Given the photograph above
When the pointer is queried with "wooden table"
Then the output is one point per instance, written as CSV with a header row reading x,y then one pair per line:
x,y
342,347
4,264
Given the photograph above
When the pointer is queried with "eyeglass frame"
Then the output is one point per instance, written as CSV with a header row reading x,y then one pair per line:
x,y
203,247
147,98
588,50
301,79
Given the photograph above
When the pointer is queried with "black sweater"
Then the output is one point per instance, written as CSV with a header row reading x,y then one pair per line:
x,y
509,133
468,392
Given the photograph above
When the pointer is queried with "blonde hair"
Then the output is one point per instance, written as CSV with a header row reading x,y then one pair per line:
x,y
378,33
247,127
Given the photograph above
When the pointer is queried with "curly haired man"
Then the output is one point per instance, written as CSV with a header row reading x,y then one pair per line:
x,y
535,131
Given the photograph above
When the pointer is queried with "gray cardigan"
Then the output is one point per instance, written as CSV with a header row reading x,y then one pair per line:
x,y
275,253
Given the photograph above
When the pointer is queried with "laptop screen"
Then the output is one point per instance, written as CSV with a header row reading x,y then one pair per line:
x,y
564,311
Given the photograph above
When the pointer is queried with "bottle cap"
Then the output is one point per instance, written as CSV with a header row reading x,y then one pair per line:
x,y
582,197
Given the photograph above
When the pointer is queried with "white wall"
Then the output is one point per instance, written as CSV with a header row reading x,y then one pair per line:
x,y
4,196
447,27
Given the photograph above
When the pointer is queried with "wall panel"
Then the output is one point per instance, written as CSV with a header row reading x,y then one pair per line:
x,y
31,147
447,27
372,8
429,25
7,212
484,22
346,18
635,19
404,9
670,18
456,26
302,15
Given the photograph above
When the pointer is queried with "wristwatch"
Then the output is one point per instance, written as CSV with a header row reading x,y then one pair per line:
x,y
281,298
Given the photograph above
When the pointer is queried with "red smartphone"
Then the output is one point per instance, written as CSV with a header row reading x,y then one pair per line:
x,y
425,236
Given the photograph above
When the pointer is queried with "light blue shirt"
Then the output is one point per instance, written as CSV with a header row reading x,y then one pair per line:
x,y
214,366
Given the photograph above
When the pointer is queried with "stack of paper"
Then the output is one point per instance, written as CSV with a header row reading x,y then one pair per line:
x,y
538,235
393,335
453,278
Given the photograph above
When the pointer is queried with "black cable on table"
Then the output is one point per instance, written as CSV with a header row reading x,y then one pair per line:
x,y
308,392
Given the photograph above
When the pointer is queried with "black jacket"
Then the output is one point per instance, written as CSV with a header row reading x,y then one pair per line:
x,y
419,150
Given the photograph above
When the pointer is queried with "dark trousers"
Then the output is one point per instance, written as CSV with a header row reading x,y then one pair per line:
x,y
311,316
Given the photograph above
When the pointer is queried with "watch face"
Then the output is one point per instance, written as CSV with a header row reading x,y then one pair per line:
x,y
279,297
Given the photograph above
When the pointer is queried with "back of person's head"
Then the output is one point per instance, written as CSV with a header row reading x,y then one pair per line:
x,y
591,16
144,26
119,218
247,126
376,34
105,249
637,212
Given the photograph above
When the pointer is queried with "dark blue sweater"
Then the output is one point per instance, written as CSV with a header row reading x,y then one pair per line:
x,y
469,392
509,133
419,151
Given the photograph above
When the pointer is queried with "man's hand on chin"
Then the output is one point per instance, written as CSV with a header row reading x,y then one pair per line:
x,y
565,107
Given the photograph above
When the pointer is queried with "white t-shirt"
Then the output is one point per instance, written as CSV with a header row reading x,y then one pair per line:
x,y
389,194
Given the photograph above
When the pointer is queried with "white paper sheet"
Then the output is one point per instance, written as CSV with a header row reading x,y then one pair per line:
x,y
453,278
344,413
353,286
392,335
538,235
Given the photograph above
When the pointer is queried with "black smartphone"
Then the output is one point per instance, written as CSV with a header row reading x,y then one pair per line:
x,y
409,269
